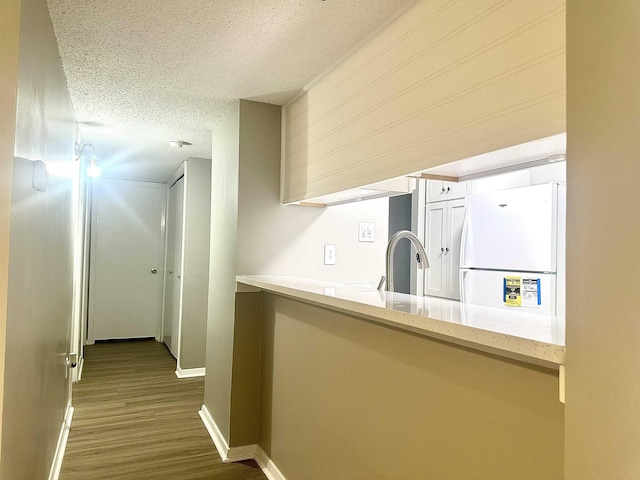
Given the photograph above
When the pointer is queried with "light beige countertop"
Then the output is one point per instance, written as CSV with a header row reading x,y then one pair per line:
x,y
527,337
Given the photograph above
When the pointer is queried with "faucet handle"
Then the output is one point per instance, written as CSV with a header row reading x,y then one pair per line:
x,y
383,280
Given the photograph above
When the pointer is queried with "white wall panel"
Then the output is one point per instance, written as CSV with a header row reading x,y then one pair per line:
x,y
445,81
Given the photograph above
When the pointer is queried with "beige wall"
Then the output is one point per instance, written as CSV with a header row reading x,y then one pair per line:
x,y
9,41
195,272
603,258
39,296
222,269
444,81
289,240
39,312
270,239
245,398
343,398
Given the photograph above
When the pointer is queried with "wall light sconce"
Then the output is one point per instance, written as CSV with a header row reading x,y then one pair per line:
x,y
93,170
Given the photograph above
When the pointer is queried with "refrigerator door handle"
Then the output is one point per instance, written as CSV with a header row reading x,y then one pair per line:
x,y
463,240
463,273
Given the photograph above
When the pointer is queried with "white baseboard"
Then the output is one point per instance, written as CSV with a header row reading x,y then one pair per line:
x,y
268,467
56,466
190,372
214,432
236,454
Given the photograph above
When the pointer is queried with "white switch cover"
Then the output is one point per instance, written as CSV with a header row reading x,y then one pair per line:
x,y
329,254
366,232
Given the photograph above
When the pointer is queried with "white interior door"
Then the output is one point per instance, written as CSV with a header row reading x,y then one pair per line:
x,y
127,252
172,301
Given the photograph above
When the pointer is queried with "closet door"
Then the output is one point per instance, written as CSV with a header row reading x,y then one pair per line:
x,y
173,289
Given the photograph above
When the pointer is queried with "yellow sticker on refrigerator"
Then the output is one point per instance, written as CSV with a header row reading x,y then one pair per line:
x,y
522,292
513,291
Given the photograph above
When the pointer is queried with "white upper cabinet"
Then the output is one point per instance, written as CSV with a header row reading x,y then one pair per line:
x,y
438,190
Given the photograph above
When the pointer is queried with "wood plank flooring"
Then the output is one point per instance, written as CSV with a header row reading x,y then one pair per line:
x,y
135,420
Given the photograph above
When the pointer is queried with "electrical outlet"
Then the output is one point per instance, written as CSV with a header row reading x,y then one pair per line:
x,y
329,254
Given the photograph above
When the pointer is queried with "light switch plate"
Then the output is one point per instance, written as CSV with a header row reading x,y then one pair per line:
x,y
329,254
366,232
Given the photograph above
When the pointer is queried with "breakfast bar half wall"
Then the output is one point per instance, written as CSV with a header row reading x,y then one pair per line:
x,y
321,392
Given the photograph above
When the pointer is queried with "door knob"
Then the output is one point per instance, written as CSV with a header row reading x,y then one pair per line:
x,y
154,271
72,360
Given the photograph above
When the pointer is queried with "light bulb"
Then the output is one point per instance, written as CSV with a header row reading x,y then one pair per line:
x,y
93,170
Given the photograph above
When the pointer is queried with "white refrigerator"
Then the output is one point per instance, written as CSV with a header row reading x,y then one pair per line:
x,y
513,249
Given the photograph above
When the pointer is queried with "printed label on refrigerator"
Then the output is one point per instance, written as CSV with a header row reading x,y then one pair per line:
x,y
531,292
512,291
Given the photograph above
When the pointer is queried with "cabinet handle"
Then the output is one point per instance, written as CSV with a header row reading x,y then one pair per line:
x,y
448,189
442,249
446,249
443,189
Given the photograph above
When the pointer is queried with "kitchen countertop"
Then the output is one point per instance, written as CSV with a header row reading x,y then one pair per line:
x,y
527,337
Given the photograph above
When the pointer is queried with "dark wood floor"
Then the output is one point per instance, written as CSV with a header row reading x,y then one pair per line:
x,y
134,419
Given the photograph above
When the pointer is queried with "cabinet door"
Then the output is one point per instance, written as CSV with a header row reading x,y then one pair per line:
x,y
438,190
443,236
457,189
435,282
453,225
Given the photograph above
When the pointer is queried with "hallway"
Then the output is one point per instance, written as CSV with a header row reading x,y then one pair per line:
x,y
135,420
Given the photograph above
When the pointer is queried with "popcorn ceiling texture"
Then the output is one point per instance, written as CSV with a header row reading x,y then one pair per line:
x,y
141,73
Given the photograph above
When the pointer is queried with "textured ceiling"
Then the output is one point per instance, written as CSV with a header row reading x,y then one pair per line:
x,y
142,73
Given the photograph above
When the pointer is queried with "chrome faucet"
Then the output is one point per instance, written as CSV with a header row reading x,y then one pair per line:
x,y
421,255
